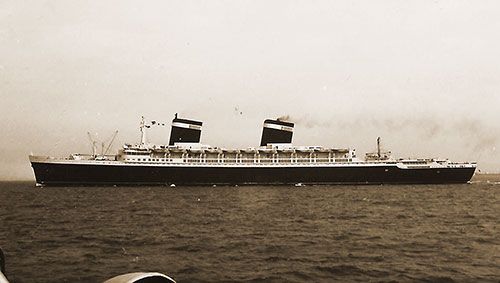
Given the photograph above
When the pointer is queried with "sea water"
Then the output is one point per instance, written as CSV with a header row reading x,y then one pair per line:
x,y
384,233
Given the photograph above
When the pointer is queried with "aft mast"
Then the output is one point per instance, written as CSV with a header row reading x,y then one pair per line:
x,y
143,133
378,147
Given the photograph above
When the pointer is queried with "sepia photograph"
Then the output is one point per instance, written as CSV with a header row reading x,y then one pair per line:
x,y
249,141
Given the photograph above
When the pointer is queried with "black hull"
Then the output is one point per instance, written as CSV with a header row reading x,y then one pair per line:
x,y
106,174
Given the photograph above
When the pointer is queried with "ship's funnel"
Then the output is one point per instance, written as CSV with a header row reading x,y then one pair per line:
x,y
276,131
185,131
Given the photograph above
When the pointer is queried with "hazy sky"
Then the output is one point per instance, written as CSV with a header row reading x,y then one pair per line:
x,y
423,75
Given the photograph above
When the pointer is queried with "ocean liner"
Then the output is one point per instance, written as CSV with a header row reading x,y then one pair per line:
x,y
185,161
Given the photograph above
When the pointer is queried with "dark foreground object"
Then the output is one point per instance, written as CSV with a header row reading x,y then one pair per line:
x,y
135,277
3,275
98,174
